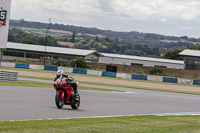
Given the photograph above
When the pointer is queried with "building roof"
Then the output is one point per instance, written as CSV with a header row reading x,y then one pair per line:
x,y
49,49
188,52
142,58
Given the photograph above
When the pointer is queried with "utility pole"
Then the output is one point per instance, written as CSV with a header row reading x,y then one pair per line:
x,y
46,41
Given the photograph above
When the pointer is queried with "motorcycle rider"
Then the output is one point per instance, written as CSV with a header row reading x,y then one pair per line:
x,y
70,81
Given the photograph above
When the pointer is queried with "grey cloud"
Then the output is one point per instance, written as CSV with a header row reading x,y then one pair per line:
x,y
105,5
169,17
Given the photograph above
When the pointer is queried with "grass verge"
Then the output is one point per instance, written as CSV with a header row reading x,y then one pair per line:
x,y
83,75
127,124
26,83
144,88
127,86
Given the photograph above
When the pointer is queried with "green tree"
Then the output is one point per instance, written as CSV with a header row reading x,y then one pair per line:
x,y
60,62
174,54
155,70
73,37
27,41
79,62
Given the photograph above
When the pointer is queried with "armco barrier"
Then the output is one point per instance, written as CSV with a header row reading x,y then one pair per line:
x,y
172,80
36,67
109,74
8,76
93,72
66,69
51,68
139,77
18,65
154,78
123,75
196,82
80,71
8,64
185,81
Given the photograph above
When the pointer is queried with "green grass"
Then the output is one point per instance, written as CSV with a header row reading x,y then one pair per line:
x,y
117,79
83,75
27,84
49,85
40,31
131,124
127,86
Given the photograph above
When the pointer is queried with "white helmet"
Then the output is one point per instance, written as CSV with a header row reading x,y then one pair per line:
x,y
59,73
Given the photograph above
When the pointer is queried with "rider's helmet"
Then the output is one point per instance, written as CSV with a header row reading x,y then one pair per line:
x,y
59,73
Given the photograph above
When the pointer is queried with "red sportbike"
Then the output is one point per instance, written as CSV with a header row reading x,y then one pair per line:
x,y
65,94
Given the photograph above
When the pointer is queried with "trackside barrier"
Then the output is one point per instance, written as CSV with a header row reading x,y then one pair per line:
x,y
36,67
185,81
172,80
196,82
109,74
80,71
99,73
139,77
8,64
155,78
66,69
8,76
18,65
93,72
51,68
124,75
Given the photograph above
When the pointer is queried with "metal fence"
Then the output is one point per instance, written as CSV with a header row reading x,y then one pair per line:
x,y
8,76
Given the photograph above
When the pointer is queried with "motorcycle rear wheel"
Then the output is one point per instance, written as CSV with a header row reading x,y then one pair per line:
x,y
76,105
59,102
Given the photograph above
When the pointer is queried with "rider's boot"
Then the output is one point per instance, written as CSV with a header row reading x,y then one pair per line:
x,y
76,96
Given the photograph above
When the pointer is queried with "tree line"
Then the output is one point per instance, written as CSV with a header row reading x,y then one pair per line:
x,y
133,37
107,45
104,45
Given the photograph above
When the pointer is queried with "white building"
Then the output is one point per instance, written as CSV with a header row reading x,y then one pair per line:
x,y
36,52
191,59
140,61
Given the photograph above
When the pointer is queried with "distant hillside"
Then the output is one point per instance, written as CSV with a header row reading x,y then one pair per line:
x,y
133,38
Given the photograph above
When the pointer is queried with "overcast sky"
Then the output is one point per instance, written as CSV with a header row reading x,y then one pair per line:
x,y
167,17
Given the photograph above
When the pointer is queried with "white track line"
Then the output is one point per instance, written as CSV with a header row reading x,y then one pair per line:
x,y
158,114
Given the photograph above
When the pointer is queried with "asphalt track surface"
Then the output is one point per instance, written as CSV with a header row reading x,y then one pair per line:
x,y
27,103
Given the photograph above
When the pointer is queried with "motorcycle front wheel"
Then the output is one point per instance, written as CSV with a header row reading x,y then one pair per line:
x,y
59,101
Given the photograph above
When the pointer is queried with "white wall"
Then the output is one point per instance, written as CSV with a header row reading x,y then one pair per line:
x,y
5,57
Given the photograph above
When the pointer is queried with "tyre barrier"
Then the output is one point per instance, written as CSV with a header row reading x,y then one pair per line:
x,y
51,68
139,77
102,73
171,80
8,76
18,65
109,74
36,67
80,71
196,82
